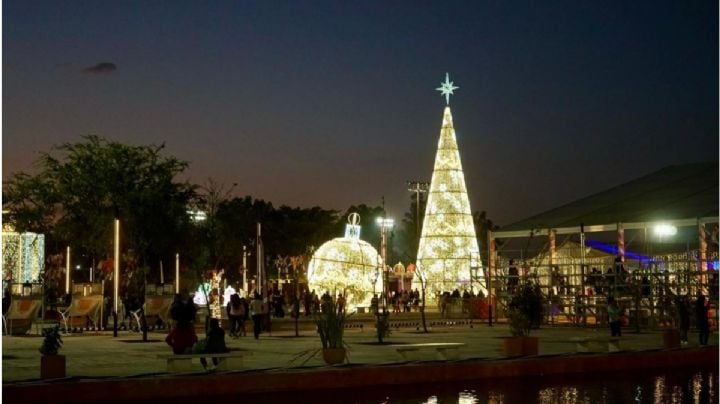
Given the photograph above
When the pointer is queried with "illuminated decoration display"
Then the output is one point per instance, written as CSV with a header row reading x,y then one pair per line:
x,y
447,88
229,291
346,265
203,291
23,255
448,244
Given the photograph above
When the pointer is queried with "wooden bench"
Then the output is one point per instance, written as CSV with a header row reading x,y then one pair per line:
x,y
445,350
183,363
597,344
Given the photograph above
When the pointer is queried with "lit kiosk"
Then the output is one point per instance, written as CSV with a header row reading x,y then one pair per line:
x,y
448,250
346,265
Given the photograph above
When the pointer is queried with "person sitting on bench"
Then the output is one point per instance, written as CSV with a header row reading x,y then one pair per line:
x,y
182,335
214,342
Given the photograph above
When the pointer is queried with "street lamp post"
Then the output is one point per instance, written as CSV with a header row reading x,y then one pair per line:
x,y
385,224
116,277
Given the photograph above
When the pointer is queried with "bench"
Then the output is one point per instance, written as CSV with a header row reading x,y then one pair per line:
x,y
155,306
444,350
83,310
597,344
21,315
183,363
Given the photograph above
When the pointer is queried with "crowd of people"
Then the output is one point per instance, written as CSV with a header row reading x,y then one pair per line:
x,y
182,337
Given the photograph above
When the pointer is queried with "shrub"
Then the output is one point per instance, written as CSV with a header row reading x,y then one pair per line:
x,y
52,341
526,310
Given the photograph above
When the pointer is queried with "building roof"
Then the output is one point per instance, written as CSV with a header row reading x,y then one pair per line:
x,y
674,192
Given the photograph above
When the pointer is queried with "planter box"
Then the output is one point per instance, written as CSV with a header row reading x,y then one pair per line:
x,y
520,346
52,366
671,339
530,346
333,356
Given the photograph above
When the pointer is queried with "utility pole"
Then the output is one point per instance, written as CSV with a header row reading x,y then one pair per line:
x,y
419,188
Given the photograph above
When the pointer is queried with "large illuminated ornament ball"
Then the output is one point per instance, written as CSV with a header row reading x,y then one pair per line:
x,y
346,265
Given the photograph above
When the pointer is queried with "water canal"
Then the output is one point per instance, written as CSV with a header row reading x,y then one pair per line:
x,y
680,385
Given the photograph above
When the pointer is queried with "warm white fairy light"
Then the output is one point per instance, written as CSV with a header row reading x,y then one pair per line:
x,y
448,240
346,265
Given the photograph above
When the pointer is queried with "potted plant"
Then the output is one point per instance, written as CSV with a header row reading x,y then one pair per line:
x,y
52,365
525,312
331,327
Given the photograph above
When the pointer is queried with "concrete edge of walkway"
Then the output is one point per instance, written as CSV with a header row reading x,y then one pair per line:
x,y
348,376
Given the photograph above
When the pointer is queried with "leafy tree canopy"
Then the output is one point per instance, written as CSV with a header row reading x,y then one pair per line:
x,y
81,187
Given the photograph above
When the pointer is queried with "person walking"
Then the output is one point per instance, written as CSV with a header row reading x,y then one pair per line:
x,y
683,309
256,310
236,314
701,312
614,317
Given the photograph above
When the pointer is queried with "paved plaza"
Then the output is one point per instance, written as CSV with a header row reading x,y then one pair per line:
x,y
100,355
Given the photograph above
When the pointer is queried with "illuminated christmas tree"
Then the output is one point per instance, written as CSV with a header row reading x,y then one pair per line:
x,y
448,244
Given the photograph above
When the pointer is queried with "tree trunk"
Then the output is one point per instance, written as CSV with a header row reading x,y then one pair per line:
x,y
143,325
422,307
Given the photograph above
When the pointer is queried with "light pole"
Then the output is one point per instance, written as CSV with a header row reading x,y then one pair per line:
x,y
385,224
474,266
419,188
244,271
116,277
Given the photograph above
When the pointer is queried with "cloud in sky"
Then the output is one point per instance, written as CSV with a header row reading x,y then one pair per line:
x,y
101,68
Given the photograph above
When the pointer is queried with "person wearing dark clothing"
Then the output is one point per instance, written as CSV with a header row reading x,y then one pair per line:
x,y
6,301
307,300
614,317
236,315
681,303
183,309
181,338
182,334
257,312
374,304
214,341
512,280
701,312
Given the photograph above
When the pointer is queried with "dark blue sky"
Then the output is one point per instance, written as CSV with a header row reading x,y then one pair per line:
x,y
333,103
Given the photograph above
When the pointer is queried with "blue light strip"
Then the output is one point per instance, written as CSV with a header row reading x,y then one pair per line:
x,y
614,250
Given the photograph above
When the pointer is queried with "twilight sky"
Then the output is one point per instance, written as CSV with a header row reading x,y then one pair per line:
x,y
332,103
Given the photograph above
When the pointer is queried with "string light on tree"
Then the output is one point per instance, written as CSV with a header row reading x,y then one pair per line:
x,y
346,265
448,241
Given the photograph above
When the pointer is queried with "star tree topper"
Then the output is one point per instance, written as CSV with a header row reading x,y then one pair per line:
x,y
447,88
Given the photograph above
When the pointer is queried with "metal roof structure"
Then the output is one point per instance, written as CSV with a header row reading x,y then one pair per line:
x,y
674,193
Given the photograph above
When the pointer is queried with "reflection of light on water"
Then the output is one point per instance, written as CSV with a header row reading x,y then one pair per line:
x,y
711,388
638,394
696,387
569,394
659,392
467,397
495,397
677,395
431,400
